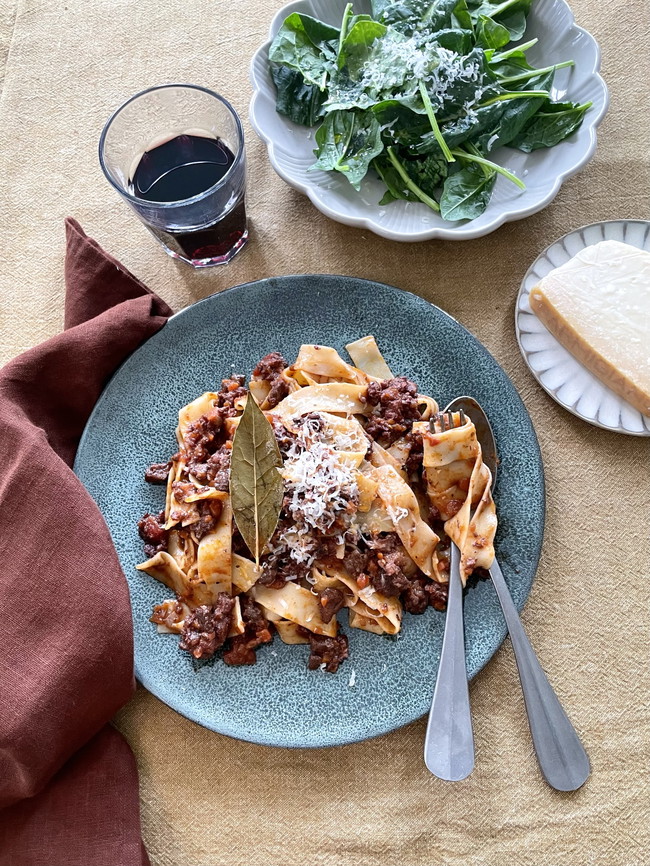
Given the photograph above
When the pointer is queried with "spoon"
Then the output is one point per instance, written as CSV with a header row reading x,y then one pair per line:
x,y
560,754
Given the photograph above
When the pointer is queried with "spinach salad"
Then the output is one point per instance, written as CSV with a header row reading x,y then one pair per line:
x,y
421,93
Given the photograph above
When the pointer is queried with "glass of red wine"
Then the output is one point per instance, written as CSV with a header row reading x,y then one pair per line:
x,y
175,153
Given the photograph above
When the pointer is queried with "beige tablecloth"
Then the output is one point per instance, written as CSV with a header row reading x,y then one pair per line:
x,y
213,801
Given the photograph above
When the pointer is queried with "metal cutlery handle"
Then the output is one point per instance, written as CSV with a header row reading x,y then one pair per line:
x,y
561,756
449,741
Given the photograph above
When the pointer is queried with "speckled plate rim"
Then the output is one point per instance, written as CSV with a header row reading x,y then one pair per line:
x,y
499,632
522,308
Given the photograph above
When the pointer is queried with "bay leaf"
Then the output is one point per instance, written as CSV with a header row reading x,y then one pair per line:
x,y
256,488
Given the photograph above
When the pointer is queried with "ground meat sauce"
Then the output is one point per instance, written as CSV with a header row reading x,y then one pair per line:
x,y
355,561
283,437
331,602
210,511
258,630
326,548
415,598
396,408
316,422
278,566
415,457
438,594
326,652
182,489
169,613
270,367
207,627
212,468
382,564
157,473
152,531
205,444
270,370
386,561
279,390
379,561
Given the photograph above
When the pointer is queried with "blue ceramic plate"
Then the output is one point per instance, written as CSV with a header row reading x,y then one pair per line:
x,y
278,701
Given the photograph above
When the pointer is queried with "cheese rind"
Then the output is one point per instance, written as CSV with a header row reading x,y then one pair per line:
x,y
598,306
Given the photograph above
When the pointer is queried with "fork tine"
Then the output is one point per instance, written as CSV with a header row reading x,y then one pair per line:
x,y
463,419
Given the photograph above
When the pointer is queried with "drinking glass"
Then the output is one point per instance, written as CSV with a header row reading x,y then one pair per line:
x,y
175,153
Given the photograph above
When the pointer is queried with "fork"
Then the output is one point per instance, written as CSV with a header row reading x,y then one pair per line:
x,y
449,739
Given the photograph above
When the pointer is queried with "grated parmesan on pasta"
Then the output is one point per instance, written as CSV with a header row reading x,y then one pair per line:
x,y
318,487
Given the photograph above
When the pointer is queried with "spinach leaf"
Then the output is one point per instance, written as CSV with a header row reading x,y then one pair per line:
x,y
461,17
516,114
456,81
307,45
491,34
459,41
395,185
511,14
349,84
348,141
357,43
400,125
345,93
497,8
297,100
512,66
411,16
321,35
406,16
552,124
409,183
466,194
378,6
515,24
428,173
469,126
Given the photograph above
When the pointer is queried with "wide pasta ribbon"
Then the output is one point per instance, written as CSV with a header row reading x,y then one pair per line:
x,y
401,504
324,364
335,397
459,485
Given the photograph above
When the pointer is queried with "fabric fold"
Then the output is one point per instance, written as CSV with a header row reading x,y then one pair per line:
x,y
67,652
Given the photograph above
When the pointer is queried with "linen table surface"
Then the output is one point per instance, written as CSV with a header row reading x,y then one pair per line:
x,y
213,801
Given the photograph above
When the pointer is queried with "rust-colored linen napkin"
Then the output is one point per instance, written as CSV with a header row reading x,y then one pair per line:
x,y
68,781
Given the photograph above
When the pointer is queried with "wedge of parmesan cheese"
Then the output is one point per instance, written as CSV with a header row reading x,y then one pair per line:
x,y
598,306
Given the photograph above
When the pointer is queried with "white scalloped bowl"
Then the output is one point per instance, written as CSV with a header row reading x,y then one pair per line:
x,y
291,147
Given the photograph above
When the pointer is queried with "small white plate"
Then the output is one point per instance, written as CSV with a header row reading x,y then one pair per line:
x,y
557,371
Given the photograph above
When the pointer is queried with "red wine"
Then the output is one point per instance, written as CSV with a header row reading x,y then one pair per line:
x,y
184,167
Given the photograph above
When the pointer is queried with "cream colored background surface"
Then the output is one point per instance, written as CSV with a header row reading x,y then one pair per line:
x,y
212,801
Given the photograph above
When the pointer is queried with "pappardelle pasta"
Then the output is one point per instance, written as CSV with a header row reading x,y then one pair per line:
x,y
374,492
